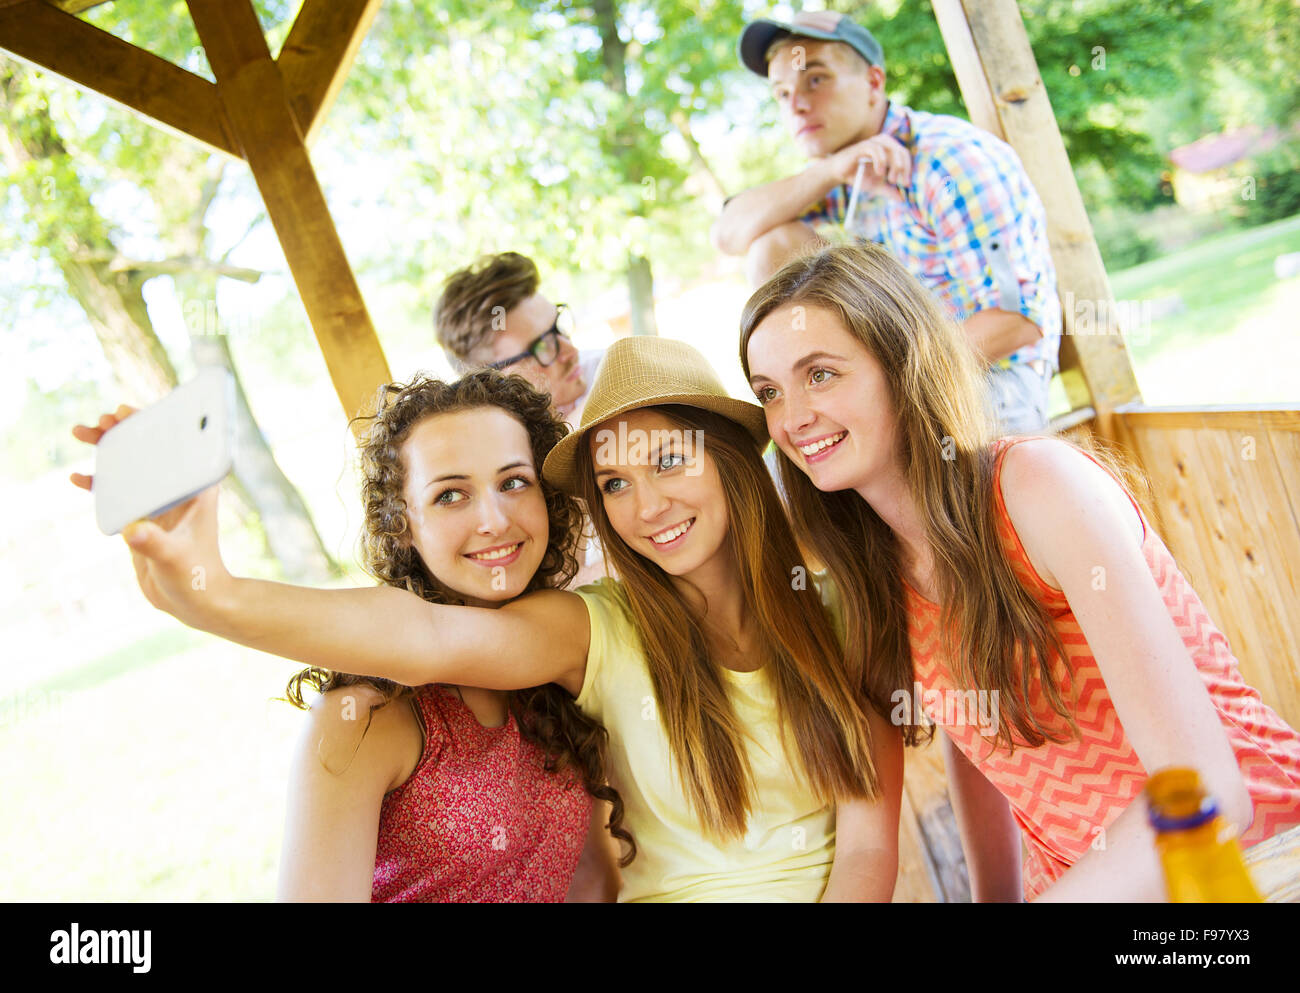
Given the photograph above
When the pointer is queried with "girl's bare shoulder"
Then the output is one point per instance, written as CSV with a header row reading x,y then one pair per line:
x,y
359,730
1049,485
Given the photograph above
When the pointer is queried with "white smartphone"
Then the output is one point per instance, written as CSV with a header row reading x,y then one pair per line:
x,y
166,453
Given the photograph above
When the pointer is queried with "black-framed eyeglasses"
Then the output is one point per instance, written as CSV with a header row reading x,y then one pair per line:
x,y
545,348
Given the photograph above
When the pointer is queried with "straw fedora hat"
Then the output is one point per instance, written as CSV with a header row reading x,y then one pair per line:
x,y
646,371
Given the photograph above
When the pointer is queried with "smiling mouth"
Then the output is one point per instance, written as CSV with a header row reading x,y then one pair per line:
x,y
673,533
494,555
816,448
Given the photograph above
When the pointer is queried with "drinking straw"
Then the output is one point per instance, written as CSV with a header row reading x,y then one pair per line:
x,y
853,197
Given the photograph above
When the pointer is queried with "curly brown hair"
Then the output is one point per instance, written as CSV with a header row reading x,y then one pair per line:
x,y
546,715
475,300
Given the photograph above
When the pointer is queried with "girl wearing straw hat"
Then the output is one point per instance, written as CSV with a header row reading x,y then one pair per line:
x,y
750,764
1017,571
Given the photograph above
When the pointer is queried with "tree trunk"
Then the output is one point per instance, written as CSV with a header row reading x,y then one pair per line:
x,y
714,192
613,51
641,293
114,305
285,521
613,55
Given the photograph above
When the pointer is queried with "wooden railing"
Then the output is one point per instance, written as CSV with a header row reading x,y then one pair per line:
x,y
1225,483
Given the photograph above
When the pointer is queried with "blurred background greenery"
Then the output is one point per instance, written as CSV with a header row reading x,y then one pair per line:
x,y
142,761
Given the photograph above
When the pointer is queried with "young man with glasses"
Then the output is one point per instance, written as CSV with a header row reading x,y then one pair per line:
x,y
490,314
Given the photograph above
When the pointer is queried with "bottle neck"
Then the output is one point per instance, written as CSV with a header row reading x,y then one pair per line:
x,y
1165,824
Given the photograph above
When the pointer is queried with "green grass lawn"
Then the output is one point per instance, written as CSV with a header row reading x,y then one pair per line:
x,y
156,773
1236,341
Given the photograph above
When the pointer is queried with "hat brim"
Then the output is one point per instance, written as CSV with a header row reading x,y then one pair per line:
x,y
758,36
561,466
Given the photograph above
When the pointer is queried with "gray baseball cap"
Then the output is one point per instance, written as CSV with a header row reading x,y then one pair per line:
x,y
824,25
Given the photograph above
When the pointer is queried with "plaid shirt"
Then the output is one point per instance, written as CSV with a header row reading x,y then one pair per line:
x,y
968,226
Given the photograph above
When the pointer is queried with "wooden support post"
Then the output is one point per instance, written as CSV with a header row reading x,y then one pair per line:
x,y
76,6
1004,93
925,785
253,93
317,54
164,93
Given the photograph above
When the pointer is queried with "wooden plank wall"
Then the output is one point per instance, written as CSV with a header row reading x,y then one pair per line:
x,y
931,864
1226,482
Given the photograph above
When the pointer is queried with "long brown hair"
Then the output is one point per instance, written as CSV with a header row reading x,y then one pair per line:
x,y
818,702
993,630
545,715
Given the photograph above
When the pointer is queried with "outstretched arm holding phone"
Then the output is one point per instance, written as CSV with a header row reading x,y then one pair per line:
x,y
377,631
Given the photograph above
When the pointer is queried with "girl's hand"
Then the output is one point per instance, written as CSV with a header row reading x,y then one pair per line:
x,y
176,555
91,436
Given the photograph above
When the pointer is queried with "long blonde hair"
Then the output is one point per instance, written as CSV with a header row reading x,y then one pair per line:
x,y
996,635
818,701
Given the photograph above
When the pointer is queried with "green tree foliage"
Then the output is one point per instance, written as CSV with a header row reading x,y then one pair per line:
x,y
519,125
560,130
1101,61
591,133
1242,71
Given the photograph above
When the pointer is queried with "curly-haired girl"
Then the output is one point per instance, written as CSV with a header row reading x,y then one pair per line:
x,y
442,792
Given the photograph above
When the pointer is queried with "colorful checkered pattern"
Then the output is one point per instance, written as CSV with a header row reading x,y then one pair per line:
x,y
968,191
1064,795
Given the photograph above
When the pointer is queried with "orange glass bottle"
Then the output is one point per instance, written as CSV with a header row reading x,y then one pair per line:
x,y
1197,847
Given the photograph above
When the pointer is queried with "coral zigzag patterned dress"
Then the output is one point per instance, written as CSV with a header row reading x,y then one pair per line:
x,y
1063,795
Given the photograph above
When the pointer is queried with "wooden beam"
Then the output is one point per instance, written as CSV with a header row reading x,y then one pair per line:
x,y
1232,417
978,97
76,6
253,93
165,94
976,93
318,53
995,67
1071,372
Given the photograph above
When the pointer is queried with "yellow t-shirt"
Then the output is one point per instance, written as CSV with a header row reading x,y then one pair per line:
x,y
787,851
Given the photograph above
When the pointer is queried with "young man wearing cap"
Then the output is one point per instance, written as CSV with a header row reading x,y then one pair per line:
x,y
490,315
949,200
